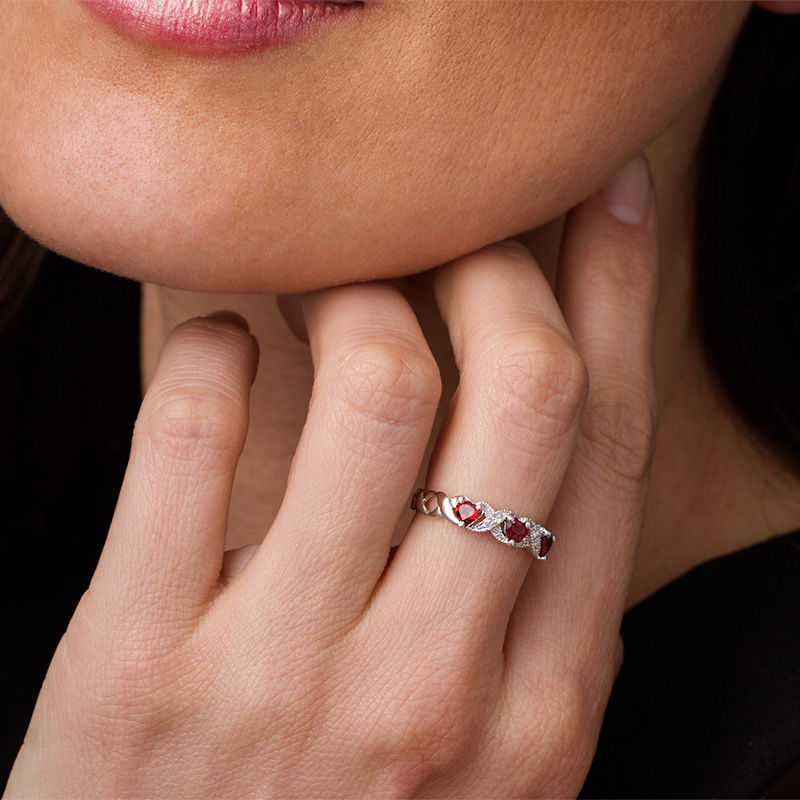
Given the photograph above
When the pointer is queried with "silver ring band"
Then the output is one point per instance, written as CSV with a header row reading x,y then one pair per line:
x,y
503,524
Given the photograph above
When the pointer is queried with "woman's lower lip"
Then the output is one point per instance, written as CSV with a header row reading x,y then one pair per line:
x,y
220,26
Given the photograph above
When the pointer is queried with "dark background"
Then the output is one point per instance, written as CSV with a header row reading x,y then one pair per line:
x,y
69,394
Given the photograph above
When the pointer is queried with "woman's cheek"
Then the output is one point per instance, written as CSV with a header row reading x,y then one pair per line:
x,y
372,150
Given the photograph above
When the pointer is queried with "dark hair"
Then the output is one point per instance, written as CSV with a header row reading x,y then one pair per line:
x,y
747,237
747,240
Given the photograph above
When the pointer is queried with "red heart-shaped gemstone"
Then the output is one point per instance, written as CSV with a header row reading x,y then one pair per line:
x,y
468,512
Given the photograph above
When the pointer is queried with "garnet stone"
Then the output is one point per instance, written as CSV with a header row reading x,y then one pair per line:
x,y
514,529
468,512
544,546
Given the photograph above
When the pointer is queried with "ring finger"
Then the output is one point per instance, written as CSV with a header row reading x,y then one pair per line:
x,y
507,439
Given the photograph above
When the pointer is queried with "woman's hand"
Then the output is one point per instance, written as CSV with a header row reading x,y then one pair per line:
x,y
307,666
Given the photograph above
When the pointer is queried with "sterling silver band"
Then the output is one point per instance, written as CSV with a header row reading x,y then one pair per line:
x,y
503,524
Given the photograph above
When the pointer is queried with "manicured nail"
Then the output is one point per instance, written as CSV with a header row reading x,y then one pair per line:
x,y
629,193
229,316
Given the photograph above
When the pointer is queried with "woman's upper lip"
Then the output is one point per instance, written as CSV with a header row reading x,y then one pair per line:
x,y
220,26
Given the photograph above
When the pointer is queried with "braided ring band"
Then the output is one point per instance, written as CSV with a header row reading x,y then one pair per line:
x,y
503,524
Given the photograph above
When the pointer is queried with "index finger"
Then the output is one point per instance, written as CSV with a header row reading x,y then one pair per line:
x,y
607,288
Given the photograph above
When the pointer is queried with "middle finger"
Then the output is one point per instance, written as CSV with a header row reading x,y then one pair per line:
x,y
376,391
507,439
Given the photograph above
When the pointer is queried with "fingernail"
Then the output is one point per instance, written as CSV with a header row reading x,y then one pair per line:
x,y
628,194
229,316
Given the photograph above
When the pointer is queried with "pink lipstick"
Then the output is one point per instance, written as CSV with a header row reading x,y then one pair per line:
x,y
221,26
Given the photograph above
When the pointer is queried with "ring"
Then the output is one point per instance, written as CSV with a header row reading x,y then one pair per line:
x,y
503,524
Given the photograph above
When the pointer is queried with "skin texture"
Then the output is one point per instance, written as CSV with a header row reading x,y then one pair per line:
x,y
323,670
461,122
314,666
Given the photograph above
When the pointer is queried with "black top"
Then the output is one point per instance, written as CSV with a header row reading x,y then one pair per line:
x,y
707,703
708,700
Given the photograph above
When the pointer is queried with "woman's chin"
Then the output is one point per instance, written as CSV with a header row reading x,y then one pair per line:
x,y
381,150
218,246
214,263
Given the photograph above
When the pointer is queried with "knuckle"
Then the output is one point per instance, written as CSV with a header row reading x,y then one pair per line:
x,y
571,706
429,745
575,707
388,385
184,422
131,684
131,679
537,381
619,422
432,723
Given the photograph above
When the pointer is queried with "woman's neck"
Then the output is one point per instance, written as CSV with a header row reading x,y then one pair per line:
x,y
712,490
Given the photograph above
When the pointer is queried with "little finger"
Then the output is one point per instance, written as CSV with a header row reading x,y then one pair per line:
x,y
607,286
